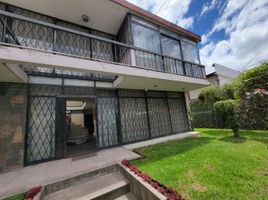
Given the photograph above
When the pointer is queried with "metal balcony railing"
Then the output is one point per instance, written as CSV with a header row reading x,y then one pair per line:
x,y
28,32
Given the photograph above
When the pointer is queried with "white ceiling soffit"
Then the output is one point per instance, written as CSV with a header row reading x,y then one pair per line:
x,y
132,82
104,15
12,73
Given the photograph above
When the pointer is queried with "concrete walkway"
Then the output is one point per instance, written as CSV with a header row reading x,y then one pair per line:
x,y
42,174
160,140
23,179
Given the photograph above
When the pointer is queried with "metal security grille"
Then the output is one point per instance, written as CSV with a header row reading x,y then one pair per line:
x,y
72,90
102,50
159,117
41,129
40,136
134,126
107,123
29,29
178,115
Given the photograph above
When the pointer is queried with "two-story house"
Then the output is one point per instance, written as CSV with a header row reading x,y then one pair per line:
x,y
78,76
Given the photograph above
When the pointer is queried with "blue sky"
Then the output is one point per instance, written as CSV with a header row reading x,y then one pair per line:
x,y
234,33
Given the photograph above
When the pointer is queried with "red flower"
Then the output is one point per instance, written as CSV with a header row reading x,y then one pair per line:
x,y
173,196
125,162
260,90
133,169
161,189
154,184
33,192
145,177
170,193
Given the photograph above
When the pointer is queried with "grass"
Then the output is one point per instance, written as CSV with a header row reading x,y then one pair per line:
x,y
17,197
212,165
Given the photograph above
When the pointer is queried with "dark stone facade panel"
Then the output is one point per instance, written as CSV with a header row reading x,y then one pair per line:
x,y
12,125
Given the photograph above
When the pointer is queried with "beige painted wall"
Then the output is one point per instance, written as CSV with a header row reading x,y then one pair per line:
x,y
78,119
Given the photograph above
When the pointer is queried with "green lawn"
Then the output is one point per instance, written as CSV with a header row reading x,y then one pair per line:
x,y
213,165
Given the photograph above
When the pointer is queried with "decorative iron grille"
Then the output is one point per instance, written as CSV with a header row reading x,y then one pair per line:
x,y
159,117
45,90
78,41
178,115
74,90
53,72
41,129
107,124
134,126
131,93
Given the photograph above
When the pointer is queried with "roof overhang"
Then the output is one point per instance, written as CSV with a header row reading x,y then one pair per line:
x,y
104,15
156,19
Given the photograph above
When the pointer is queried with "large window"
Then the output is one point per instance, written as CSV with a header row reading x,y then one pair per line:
x,y
190,51
157,39
145,37
170,47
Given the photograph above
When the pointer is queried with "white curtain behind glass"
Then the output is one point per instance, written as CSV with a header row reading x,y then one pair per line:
x,y
146,38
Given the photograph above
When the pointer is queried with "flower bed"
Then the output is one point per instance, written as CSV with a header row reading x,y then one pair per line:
x,y
32,193
168,192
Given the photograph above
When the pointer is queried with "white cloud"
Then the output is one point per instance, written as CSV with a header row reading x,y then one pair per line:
x,y
245,23
171,10
208,7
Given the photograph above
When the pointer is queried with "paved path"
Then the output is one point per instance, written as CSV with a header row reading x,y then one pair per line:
x,y
161,139
42,174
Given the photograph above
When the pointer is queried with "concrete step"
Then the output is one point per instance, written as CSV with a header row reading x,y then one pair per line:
x,y
109,186
79,132
128,196
77,140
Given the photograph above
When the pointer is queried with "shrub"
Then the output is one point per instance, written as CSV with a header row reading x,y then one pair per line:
x,y
209,95
226,112
228,91
201,115
251,89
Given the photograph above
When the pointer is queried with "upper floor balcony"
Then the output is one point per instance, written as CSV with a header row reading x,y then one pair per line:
x,y
138,43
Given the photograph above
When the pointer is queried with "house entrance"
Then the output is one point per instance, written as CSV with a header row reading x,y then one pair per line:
x,y
80,126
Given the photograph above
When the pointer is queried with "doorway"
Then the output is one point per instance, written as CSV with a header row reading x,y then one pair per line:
x,y
80,126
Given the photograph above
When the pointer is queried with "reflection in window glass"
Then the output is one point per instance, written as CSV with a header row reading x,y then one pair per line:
x,y
190,51
170,47
146,38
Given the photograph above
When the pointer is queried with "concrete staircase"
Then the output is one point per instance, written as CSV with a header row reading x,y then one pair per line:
x,y
78,135
104,184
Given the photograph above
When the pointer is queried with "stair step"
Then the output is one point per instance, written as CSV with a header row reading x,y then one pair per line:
x,y
77,140
77,137
109,186
128,196
79,132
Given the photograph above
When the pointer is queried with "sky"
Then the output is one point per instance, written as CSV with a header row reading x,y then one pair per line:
x,y
234,33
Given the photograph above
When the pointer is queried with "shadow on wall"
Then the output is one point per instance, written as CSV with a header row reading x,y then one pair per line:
x,y
12,122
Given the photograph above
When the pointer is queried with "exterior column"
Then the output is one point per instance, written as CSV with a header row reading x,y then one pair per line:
x,y
187,103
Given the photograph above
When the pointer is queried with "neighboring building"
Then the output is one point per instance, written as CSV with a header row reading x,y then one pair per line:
x,y
221,76
77,76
